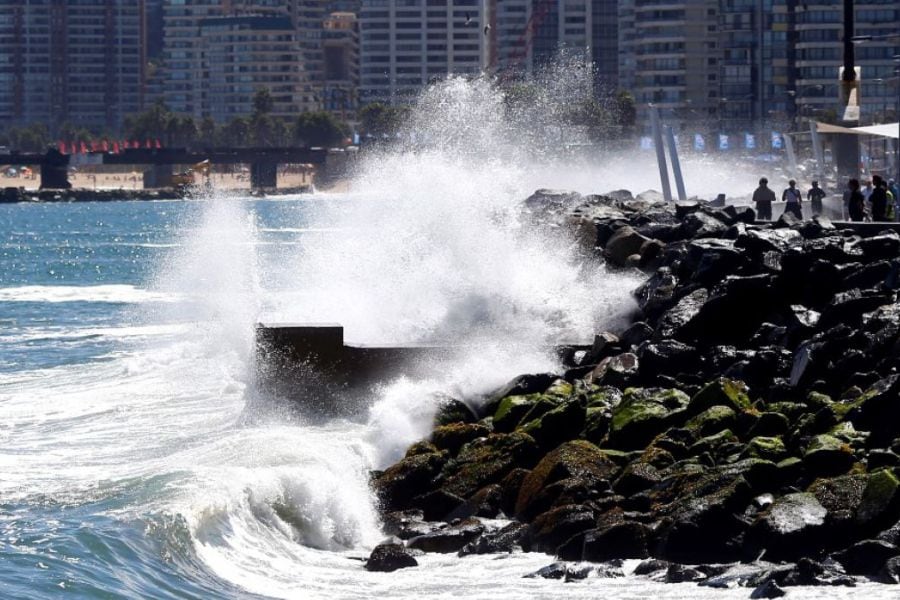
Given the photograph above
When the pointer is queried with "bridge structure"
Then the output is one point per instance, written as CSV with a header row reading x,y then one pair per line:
x,y
263,162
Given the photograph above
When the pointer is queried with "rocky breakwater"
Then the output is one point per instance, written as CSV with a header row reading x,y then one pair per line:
x,y
743,430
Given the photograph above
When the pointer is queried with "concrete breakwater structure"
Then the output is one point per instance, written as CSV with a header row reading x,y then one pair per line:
x,y
312,366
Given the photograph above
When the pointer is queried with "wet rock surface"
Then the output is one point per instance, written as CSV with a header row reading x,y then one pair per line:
x,y
750,412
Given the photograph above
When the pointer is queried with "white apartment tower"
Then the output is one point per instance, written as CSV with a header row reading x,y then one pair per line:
x,y
405,44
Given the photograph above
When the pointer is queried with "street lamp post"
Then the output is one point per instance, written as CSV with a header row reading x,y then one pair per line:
x,y
862,39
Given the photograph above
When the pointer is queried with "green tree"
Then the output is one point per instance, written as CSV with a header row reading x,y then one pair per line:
x,y
153,123
377,119
236,132
208,132
263,103
320,129
34,137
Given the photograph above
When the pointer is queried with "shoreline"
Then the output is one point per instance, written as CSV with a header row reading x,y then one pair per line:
x,y
19,195
750,411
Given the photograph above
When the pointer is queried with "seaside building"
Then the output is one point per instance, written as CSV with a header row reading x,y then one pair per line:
x,y
404,44
218,53
524,34
341,64
243,54
818,31
71,62
669,57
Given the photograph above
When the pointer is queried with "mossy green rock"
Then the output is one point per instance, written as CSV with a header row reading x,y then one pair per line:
x,y
817,400
840,496
720,392
410,477
511,410
577,459
488,460
712,420
880,500
603,397
564,422
596,423
767,448
791,410
711,442
828,455
452,437
643,414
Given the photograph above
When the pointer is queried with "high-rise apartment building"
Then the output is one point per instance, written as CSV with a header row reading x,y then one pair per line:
x,y
341,63
669,57
71,62
525,34
218,53
818,26
404,44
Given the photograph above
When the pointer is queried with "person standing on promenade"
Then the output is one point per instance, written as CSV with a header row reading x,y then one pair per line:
x,y
856,202
893,189
763,197
815,195
791,197
878,198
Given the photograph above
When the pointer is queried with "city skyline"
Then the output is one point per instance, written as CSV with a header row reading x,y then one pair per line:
x,y
722,64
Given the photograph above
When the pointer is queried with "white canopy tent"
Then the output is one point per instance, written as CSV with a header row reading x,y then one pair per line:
x,y
887,130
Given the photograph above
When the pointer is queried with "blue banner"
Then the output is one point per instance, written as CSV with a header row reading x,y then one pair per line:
x,y
723,141
646,143
777,142
699,142
749,141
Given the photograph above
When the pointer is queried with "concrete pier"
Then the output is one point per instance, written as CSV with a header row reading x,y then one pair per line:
x,y
311,365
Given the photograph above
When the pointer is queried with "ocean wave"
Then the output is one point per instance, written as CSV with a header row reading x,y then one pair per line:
x,y
115,294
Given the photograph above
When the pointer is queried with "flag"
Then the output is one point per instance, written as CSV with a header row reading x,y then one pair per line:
x,y
147,144
61,146
777,142
723,141
104,145
84,149
135,144
158,145
95,146
699,142
646,142
749,141
115,147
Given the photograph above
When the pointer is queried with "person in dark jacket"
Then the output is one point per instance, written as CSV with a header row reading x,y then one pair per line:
x,y
763,197
856,202
878,198
791,197
815,195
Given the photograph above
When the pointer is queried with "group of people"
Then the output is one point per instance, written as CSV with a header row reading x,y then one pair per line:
x,y
878,201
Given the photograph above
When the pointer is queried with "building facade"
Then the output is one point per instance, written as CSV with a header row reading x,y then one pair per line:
x,y
340,89
218,53
405,44
81,63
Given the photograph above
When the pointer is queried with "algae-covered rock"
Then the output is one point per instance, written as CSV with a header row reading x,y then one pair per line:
x,y
452,437
449,539
767,448
827,455
411,477
451,410
720,392
643,414
841,497
577,459
488,460
552,528
386,558
563,422
511,410
880,504
712,420
621,540
793,524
